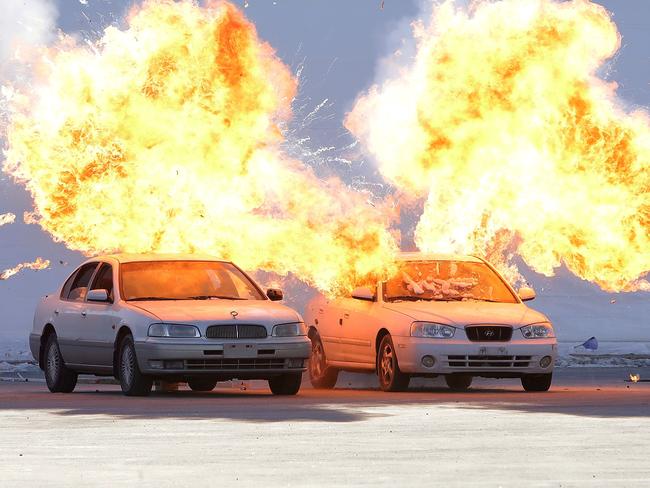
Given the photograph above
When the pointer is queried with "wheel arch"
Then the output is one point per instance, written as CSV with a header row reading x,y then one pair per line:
x,y
48,330
124,331
381,333
312,332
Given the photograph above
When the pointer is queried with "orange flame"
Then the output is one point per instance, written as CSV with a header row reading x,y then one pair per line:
x,y
38,264
165,137
504,125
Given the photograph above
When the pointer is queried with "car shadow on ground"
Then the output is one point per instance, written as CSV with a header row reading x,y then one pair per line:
x,y
340,405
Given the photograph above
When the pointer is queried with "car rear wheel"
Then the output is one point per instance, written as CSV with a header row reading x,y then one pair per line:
x,y
286,384
320,375
58,377
132,381
458,382
391,377
537,382
202,384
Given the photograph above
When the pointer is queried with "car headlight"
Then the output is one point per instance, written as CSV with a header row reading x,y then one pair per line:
x,y
290,330
173,330
541,330
431,329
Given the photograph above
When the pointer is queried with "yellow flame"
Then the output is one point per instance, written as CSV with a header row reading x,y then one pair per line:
x,y
503,124
37,264
634,378
165,137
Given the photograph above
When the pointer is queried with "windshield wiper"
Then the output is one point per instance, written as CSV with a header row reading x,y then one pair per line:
x,y
409,298
209,297
482,300
143,299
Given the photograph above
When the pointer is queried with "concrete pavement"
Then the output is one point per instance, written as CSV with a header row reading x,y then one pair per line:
x,y
591,429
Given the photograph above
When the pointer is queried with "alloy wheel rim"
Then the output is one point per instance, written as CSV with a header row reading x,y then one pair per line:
x,y
387,365
127,366
53,363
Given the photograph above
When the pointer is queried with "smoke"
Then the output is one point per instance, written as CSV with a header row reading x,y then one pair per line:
x,y
24,26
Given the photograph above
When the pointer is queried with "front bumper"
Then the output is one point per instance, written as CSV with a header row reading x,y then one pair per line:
x,y
496,359
241,359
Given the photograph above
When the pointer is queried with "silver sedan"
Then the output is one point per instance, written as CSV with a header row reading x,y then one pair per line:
x,y
182,318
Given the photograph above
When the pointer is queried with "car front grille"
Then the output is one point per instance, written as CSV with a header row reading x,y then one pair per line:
x,y
235,364
488,333
478,362
236,331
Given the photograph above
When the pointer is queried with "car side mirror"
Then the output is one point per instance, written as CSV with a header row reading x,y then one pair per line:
x,y
274,294
526,293
98,296
363,293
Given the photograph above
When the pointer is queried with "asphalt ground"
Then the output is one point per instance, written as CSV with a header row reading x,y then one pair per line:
x,y
591,429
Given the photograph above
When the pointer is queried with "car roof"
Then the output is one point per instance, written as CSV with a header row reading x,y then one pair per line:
x,y
138,257
421,256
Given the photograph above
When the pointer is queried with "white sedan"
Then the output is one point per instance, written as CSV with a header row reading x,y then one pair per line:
x,y
439,315
178,317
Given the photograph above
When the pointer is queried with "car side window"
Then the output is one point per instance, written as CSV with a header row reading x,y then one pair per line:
x,y
79,285
104,280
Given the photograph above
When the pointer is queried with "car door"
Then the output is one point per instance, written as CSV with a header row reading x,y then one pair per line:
x,y
358,331
328,314
69,310
98,321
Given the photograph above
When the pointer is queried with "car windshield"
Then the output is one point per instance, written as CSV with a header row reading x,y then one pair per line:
x,y
186,280
446,281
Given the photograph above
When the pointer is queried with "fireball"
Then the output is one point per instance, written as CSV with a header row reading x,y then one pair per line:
x,y
166,137
504,126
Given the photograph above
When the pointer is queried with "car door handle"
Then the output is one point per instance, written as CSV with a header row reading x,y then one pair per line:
x,y
320,310
83,312
346,315
56,311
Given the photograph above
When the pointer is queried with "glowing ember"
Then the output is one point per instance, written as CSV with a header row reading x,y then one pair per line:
x,y
165,137
635,378
38,264
7,218
503,124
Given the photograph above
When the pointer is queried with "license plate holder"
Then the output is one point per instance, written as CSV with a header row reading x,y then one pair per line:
x,y
239,350
493,351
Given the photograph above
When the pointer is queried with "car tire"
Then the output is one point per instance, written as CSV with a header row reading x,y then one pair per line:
x,y
58,377
202,384
321,376
458,382
390,376
537,382
286,384
132,381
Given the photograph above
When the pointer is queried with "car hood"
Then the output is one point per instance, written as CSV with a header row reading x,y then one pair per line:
x,y
460,314
197,312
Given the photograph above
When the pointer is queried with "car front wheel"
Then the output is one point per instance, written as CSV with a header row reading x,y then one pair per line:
x,y
132,381
202,384
390,376
537,382
286,384
320,375
58,377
